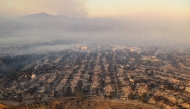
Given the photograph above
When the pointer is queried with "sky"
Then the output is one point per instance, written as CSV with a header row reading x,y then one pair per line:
x,y
151,9
168,19
137,8
73,8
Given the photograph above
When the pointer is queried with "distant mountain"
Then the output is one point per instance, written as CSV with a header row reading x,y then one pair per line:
x,y
7,25
60,22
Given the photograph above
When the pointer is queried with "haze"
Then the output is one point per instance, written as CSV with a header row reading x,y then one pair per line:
x,y
128,22
95,54
99,8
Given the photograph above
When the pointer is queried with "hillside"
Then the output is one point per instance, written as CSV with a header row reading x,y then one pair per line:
x,y
60,22
11,25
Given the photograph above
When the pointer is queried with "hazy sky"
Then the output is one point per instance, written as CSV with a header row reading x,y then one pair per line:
x,y
56,7
172,9
136,8
163,19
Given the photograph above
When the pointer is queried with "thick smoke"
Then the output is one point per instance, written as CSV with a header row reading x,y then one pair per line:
x,y
12,8
38,33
